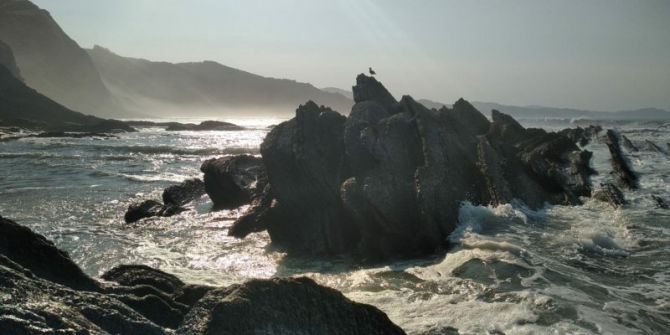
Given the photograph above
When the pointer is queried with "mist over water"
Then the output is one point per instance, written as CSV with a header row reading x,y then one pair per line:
x,y
590,269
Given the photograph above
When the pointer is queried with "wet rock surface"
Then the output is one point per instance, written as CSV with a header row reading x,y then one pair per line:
x,y
234,181
628,144
175,197
610,193
388,180
43,292
283,306
621,169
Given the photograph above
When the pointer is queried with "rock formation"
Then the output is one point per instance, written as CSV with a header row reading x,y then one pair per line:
x,y
388,180
628,144
582,136
43,292
175,198
660,202
610,194
234,181
621,169
651,146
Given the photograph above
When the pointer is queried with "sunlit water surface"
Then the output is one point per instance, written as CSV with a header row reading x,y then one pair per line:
x,y
590,269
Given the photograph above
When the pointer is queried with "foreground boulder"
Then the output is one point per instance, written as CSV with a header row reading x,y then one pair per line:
x,y
388,180
43,292
283,307
234,181
621,169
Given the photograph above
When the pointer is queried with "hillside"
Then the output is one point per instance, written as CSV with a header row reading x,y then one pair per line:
x,y
204,88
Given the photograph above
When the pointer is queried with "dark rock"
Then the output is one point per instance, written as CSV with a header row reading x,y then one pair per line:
x,y
389,180
651,146
628,144
620,167
39,255
142,210
283,306
305,164
43,292
182,194
234,181
203,126
61,134
369,89
611,194
660,202
32,305
258,217
580,135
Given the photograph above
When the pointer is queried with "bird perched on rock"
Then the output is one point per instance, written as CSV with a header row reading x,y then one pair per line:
x,y
372,72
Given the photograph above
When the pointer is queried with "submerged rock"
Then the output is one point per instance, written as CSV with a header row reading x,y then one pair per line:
x,y
611,194
628,144
283,307
389,179
233,181
43,292
143,210
175,197
620,167
660,202
651,146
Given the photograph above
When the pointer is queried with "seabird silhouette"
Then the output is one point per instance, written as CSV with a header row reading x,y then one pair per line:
x,y
372,72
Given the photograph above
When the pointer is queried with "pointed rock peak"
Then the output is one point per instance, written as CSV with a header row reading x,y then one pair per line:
x,y
369,89
312,109
470,116
502,118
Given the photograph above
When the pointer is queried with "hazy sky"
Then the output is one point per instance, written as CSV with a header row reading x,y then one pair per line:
x,y
602,55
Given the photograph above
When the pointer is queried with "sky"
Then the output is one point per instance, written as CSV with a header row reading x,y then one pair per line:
x,y
588,54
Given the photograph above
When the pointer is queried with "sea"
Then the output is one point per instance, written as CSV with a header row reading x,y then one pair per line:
x,y
589,269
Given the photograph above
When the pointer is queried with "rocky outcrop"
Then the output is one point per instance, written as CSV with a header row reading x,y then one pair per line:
x,y
8,61
388,180
175,197
205,125
283,307
181,194
582,136
651,146
660,202
610,194
43,292
628,144
35,253
234,181
621,169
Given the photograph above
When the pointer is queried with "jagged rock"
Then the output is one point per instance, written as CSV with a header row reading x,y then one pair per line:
x,y
580,135
142,210
257,218
620,166
182,194
39,255
388,180
611,194
628,144
234,181
660,202
203,126
651,146
283,307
